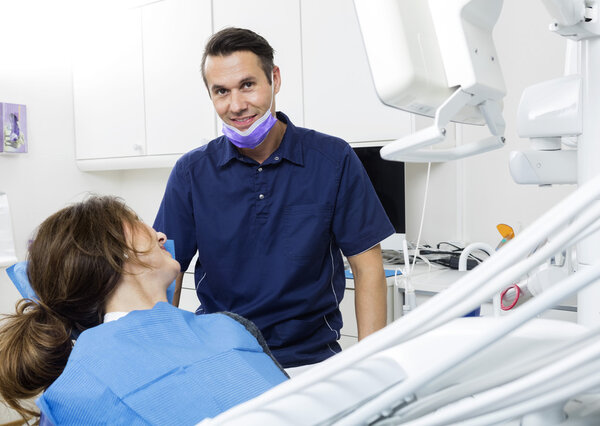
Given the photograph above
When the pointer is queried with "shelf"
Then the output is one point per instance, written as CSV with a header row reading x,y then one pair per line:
x,y
128,163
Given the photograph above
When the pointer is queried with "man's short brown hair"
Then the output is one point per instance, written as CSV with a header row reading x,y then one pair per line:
x,y
230,40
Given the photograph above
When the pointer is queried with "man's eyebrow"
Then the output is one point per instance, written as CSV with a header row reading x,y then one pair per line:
x,y
216,87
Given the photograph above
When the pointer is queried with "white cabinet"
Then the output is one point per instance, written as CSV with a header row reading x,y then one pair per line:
x,y
137,87
349,331
339,94
279,23
139,96
179,113
108,87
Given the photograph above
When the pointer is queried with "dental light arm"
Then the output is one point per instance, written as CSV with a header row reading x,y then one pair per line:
x,y
436,58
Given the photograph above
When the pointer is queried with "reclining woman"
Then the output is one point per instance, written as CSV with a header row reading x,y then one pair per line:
x,y
98,270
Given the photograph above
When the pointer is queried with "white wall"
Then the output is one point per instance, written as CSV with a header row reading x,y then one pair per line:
x,y
35,71
468,198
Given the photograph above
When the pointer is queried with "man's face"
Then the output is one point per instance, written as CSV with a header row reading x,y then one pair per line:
x,y
239,88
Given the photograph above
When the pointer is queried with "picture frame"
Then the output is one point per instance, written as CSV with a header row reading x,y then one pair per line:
x,y
13,118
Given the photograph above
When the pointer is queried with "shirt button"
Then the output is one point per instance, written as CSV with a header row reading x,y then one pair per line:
x,y
276,158
260,169
261,196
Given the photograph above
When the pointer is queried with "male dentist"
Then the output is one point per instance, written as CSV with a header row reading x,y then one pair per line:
x,y
270,208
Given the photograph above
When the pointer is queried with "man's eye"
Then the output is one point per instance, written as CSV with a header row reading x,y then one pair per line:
x,y
248,84
221,92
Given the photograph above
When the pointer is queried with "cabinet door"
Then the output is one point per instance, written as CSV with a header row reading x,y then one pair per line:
x,y
108,86
278,21
179,113
339,94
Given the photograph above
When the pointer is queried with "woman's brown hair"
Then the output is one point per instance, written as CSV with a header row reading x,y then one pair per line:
x,y
75,262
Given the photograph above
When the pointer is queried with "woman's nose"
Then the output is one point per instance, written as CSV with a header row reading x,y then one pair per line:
x,y
162,238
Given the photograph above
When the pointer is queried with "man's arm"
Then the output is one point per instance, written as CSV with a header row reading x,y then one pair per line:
x,y
370,291
177,292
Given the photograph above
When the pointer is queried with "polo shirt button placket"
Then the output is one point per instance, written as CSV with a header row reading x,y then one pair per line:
x,y
261,196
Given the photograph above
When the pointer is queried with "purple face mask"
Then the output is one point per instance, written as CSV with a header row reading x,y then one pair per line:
x,y
253,136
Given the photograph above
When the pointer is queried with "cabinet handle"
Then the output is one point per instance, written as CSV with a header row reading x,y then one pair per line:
x,y
138,148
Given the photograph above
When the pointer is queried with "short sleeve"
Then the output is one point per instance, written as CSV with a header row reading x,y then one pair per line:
x,y
359,221
175,216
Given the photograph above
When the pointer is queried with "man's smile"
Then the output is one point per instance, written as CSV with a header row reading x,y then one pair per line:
x,y
244,121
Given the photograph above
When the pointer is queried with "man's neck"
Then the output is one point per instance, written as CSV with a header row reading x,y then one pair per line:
x,y
268,146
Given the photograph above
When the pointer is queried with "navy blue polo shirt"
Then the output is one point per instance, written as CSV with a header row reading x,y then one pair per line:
x,y
269,235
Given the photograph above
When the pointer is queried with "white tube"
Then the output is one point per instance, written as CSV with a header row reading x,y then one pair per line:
x,y
530,386
535,404
500,376
549,298
474,287
485,290
462,260
462,266
588,152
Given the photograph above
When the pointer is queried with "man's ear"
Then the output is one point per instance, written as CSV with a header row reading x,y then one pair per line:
x,y
276,79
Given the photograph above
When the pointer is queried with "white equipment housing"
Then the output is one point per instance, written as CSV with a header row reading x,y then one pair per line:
x,y
436,58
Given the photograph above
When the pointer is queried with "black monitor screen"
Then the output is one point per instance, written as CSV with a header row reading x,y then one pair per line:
x,y
388,180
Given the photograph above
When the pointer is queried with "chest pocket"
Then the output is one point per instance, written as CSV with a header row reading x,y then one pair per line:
x,y
307,230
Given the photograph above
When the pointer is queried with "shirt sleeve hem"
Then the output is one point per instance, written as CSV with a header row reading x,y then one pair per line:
x,y
366,244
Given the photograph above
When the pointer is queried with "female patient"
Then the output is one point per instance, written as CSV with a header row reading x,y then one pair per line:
x,y
98,270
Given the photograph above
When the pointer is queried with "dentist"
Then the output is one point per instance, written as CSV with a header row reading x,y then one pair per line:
x,y
270,208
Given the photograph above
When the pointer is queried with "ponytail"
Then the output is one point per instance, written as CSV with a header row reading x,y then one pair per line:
x,y
75,263
35,344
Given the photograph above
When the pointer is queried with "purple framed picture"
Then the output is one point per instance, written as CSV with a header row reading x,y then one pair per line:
x,y
13,118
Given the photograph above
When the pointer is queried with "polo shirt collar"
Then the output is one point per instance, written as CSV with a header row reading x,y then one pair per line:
x,y
291,147
228,153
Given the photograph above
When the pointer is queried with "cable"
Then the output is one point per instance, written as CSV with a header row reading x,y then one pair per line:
x,y
422,213
392,257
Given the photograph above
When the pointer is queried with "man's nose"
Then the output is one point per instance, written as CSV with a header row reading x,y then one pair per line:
x,y
238,102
